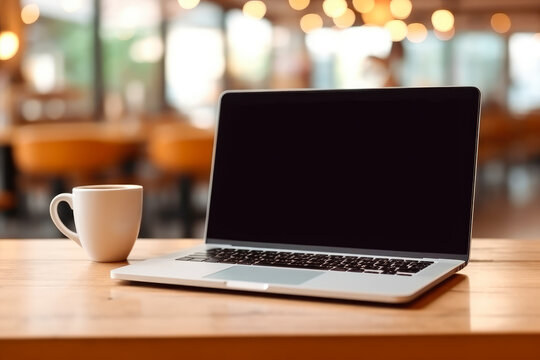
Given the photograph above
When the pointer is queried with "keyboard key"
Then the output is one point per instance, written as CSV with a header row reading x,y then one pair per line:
x,y
185,258
314,261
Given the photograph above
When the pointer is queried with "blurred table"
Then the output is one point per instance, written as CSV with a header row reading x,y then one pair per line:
x,y
55,303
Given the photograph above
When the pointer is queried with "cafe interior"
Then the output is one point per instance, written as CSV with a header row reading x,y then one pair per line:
x,y
126,91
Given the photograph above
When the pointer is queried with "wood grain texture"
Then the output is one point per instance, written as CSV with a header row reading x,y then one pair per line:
x,y
52,298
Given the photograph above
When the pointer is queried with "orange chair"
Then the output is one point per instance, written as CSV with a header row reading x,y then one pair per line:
x,y
497,137
66,155
185,151
77,152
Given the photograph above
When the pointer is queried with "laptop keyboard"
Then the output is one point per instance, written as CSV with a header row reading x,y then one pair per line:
x,y
359,264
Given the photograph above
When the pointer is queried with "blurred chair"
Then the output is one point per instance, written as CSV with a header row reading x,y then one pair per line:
x,y
74,152
67,155
497,139
184,151
529,136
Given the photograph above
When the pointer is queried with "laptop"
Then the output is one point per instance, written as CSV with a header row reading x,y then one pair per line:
x,y
363,194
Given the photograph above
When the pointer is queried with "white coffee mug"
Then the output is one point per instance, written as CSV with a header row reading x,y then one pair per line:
x,y
107,219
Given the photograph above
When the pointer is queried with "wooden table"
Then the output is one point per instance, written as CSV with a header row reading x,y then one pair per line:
x,y
56,304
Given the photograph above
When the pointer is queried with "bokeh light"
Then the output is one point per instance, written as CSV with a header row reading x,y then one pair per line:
x,y
501,23
255,9
400,9
30,14
299,4
397,30
334,8
363,6
9,45
416,32
188,4
310,22
379,15
442,20
346,20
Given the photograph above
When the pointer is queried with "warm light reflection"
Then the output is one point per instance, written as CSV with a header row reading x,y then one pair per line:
x,y
310,22
30,14
500,23
379,15
397,30
442,20
363,6
447,35
400,9
537,36
188,4
255,9
416,32
299,4
334,8
71,6
9,45
346,20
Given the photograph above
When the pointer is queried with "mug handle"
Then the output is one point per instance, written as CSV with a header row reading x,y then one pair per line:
x,y
53,209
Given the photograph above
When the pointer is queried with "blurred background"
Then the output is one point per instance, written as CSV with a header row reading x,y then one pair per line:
x,y
125,91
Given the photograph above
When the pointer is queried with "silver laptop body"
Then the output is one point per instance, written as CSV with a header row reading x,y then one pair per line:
x,y
362,194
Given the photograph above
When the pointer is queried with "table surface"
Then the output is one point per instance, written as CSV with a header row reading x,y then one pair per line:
x,y
52,298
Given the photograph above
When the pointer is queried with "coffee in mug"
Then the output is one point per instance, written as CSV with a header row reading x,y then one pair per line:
x,y
107,219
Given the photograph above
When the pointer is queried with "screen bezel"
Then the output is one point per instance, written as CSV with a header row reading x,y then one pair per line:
x,y
466,93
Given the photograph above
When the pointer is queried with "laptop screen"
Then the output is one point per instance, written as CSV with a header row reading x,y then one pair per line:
x,y
371,169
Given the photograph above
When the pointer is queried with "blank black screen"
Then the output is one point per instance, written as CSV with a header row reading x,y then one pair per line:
x,y
381,169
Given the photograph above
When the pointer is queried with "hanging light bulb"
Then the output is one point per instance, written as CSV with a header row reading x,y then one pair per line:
x,y
334,8
255,9
30,14
346,20
363,6
379,15
188,4
299,4
9,45
442,20
397,30
501,23
400,9
310,22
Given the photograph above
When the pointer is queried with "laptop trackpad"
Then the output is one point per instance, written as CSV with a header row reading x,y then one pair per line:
x,y
264,275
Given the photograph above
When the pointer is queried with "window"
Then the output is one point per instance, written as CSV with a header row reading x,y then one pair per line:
x,y
57,62
131,55
524,93
478,60
195,62
249,50
424,63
